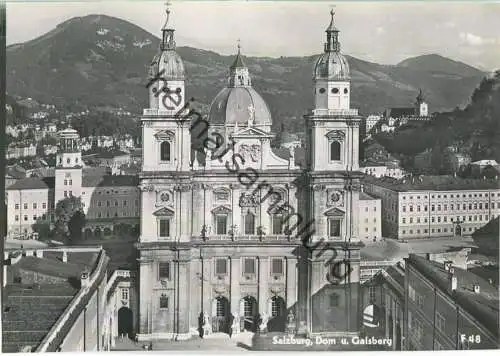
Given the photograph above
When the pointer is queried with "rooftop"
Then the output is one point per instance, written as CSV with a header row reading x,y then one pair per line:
x,y
112,154
365,196
33,183
110,181
433,183
30,310
483,306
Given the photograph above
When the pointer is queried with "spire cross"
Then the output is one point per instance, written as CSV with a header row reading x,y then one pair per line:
x,y
332,10
239,45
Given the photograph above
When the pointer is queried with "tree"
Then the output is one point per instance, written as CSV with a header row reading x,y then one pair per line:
x,y
70,219
42,227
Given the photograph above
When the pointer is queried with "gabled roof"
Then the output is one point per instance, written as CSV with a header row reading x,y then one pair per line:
x,y
33,183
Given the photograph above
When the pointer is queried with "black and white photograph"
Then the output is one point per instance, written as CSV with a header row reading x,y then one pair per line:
x,y
250,176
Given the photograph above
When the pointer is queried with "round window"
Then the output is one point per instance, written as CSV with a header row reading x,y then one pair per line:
x,y
164,197
166,90
346,91
335,90
178,90
322,90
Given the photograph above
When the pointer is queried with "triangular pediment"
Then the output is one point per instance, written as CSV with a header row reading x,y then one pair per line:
x,y
164,135
164,212
335,212
221,210
250,132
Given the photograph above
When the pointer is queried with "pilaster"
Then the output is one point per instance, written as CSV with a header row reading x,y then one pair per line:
x,y
235,284
263,284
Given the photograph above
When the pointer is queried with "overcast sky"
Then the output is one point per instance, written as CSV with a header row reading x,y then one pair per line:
x,y
381,32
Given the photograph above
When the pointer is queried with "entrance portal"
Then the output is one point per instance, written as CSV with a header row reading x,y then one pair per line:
x,y
458,230
249,314
278,315
220,315
125,321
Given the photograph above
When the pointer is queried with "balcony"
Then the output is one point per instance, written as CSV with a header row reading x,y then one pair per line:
x,y
246,238
337,112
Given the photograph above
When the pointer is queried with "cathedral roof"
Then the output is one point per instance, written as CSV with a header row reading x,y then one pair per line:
x,y
332,65
232,105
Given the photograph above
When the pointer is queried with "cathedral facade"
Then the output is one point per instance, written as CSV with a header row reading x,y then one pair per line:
x,y
234,234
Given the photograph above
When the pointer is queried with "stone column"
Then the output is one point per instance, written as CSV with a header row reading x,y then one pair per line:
x,y
235,285
263,284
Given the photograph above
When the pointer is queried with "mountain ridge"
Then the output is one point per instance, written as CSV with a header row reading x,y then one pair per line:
x,y
99,60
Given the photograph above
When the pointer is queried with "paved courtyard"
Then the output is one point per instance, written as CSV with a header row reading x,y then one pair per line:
x,y
215,342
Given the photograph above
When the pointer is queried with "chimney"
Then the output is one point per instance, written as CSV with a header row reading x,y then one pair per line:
x,y
65,257
447,265
454,282
85,279
476,288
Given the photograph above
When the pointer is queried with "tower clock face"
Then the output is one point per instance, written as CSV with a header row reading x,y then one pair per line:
x,y
172,98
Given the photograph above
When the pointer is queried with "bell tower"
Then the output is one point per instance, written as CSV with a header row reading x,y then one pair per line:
x,y
165,131
69,165
331,200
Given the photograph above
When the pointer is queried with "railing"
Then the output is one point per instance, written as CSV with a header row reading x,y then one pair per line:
x,y
342,112
61,321
244,238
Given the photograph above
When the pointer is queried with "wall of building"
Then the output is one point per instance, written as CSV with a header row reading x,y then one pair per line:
x,y
435,320
370,220
27,206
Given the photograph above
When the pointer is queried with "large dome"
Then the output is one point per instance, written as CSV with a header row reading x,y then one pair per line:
x,y
170,63
233,105
331,66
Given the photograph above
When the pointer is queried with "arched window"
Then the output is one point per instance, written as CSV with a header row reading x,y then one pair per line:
x,y
335,151
165,151
249,224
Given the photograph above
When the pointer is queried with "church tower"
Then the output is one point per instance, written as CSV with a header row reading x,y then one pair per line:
x,y
68,171
166,136
331,200
421,108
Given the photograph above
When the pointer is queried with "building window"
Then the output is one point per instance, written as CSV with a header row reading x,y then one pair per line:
x,y
425,208
25,217
221,224
334,227
99,203
108,203
165,151
124,203
440,322
25,205
334,300
65,194
249,224
418,208
335,151
44,205
17,206
277,266
163,302
404,220
164,227
125,294
404,209
17,217
221,266
411,293
249,266
164,270
70,193
65,182
34,217
433,208
277,224
34,205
